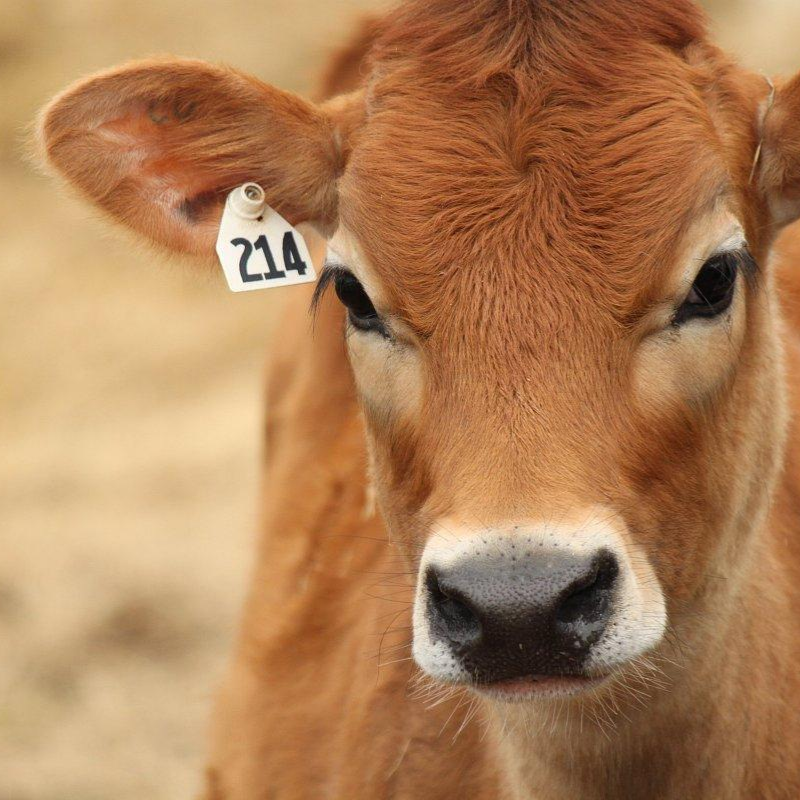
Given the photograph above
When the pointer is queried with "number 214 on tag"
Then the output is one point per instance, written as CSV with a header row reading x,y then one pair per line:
x,y
261,252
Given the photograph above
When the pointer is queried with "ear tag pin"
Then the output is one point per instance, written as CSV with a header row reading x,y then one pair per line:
x,y
257,247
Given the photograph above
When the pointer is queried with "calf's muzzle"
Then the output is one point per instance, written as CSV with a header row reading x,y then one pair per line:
x,y
534,613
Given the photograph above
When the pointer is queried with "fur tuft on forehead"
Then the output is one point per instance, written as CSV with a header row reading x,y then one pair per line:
x,y
517,149
481,39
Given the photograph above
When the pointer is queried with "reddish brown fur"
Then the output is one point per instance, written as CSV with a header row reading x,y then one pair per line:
x,y
519,176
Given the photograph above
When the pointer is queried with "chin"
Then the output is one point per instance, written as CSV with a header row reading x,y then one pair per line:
x,y
535,687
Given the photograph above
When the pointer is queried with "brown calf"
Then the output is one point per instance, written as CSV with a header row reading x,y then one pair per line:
x,y
552,227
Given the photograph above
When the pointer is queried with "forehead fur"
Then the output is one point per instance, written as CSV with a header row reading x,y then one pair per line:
x,y
530,147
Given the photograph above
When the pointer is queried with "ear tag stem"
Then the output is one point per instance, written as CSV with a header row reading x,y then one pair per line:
x,y
257,247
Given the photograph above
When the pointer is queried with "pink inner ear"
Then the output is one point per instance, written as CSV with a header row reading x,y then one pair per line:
x,y
143,144
146,141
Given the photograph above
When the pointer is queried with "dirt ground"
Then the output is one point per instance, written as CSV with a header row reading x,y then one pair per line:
x,y
130,411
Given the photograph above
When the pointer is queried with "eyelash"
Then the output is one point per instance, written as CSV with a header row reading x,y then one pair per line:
x,y
361,312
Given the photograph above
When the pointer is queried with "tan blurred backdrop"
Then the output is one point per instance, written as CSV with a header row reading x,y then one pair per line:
x,y
130,413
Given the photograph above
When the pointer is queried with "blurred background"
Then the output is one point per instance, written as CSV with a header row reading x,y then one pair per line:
x,y
130,412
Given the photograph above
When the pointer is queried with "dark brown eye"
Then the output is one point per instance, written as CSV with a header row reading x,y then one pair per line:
x,y
360,310
712,291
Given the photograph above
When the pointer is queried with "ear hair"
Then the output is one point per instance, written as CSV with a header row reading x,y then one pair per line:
x,y
764,114
780,153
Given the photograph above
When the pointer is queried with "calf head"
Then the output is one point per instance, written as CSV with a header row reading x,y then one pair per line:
x,y
549,225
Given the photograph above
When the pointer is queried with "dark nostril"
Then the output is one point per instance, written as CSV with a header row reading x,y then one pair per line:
x,y
588,599
451,615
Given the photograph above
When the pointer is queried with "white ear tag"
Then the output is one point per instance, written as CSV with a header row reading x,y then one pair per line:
x,y
257,247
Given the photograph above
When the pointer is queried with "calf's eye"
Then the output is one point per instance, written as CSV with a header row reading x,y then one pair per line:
x,y
713,288
360,310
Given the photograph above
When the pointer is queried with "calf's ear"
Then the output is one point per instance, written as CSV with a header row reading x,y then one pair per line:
x,y
158,144
780,167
